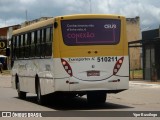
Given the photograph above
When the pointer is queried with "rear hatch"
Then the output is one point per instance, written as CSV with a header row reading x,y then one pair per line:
x,y
91,48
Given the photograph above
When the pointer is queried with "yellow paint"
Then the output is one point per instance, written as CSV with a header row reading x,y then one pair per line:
x,y
61,50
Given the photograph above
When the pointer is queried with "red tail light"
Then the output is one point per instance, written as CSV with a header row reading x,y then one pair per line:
x,y
67,67
118,65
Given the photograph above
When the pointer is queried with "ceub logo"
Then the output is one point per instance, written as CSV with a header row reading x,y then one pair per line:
x,y
110,26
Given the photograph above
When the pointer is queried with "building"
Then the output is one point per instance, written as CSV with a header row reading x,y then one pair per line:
x,y
3,40
150,44
34,21
133,34
5,36
151,54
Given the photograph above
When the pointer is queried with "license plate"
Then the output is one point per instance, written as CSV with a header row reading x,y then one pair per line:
x,y
93,73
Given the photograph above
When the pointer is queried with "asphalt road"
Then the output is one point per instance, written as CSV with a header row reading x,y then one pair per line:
x,y
140,97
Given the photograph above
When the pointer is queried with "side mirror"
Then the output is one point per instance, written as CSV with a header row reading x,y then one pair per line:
x,y
8,51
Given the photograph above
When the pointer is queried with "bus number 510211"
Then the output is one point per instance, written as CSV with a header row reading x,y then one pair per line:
x,y
106,59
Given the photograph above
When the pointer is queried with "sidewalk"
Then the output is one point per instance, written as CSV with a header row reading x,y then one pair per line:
x,y
144,84
145,81
6,72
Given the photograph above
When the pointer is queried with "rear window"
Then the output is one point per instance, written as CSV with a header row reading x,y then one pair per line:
x,y
91,31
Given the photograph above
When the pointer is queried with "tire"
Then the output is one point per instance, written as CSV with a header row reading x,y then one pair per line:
x,y
40,98
21,94
96,97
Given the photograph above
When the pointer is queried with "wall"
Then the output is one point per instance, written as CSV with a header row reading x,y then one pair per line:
x,y
3,33
133,34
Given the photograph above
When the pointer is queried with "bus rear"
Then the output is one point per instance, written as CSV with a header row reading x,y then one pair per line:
x,y
93,55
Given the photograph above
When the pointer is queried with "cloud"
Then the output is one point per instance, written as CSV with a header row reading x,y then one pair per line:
x,y
148,10
14,11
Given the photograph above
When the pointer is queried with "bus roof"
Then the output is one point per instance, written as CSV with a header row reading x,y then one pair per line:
x,y
79,16
34,26
51,21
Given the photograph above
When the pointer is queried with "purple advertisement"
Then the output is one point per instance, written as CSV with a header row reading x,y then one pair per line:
x,y
91,31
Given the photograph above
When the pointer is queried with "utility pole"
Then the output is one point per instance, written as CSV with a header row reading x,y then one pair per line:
x,y
159,30
5,22
90,6
26,15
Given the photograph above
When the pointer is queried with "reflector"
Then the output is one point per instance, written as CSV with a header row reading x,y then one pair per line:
x,y
66,66
118,65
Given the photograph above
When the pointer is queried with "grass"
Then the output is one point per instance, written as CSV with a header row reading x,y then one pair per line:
x,y
136,74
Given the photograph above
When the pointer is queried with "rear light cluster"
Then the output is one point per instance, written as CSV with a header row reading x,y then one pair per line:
x,y
67,67
118,65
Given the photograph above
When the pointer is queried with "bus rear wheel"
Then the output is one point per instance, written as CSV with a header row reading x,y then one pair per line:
x,y
96,97
40,98
21,94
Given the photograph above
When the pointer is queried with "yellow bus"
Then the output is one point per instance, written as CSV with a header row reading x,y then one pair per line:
x,y
72,55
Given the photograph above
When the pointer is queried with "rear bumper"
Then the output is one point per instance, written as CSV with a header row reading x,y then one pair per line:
x,y
112,85
81,93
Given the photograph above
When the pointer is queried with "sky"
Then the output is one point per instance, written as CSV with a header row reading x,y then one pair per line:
x,y
18,11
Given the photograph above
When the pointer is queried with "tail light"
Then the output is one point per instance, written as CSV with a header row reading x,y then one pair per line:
x,y
118,65
67,67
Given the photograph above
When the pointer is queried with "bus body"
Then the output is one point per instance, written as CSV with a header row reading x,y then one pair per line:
x,y
77,54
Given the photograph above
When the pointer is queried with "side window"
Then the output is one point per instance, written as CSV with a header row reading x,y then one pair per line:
x,y
32,53
48,34
48,42
17,47
13,45
17,41
51,34
26,39
38,36
44,35
29,39
32,38
21,47
38,44
35,44
43,40
27,47
22,40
